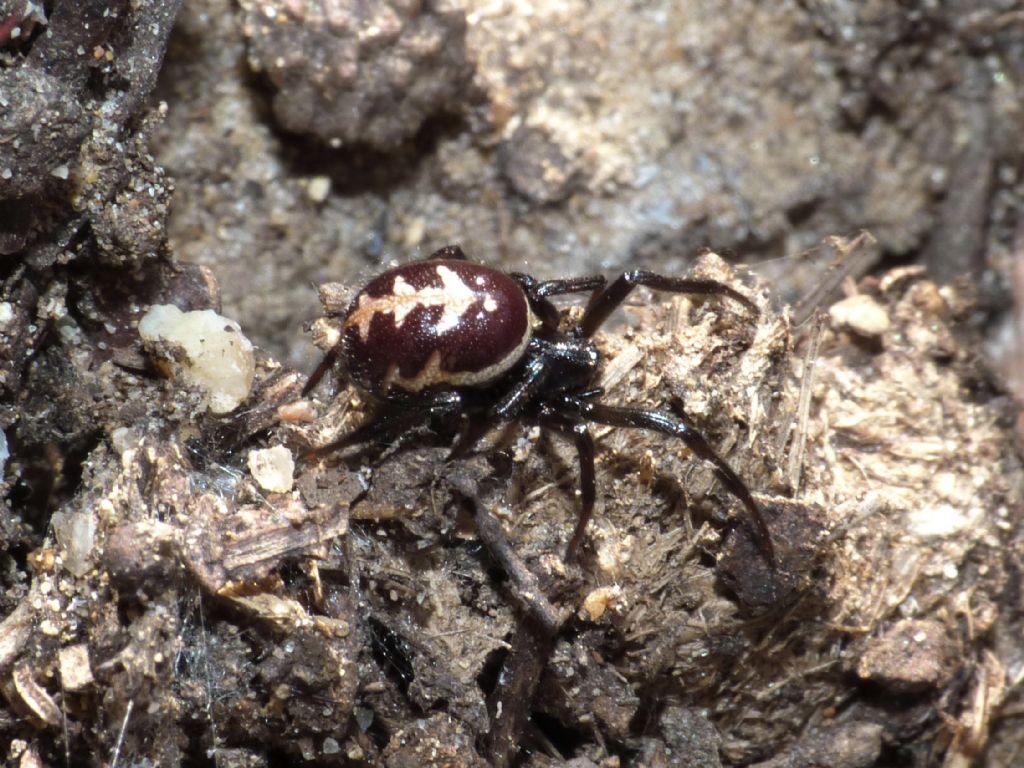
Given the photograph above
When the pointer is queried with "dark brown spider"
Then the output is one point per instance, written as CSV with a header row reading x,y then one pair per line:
x,y
447,337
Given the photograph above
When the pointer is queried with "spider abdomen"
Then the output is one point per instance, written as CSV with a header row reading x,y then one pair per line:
x,y
436,324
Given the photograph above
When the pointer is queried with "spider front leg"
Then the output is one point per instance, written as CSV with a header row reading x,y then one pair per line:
x,y
606,300
538,291
507,406
681,427
509,402
542,357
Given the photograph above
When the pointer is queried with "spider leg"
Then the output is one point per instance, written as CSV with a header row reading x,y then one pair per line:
x,y
511,402
525,387
452,252
580,433
570,285
539,305
373,429
470,436
390,422
543,355
606,300
325,365
683,428
537,293
544,288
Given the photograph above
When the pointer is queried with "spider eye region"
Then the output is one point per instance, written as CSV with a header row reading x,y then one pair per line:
x,y
433,325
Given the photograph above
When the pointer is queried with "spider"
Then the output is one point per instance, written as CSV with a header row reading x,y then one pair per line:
x,y
446,336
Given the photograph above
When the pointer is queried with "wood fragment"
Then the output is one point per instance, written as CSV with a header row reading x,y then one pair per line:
x,y
509,705
15,631
803,408
34,697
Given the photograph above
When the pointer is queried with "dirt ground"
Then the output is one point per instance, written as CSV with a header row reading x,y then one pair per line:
x,y
183,585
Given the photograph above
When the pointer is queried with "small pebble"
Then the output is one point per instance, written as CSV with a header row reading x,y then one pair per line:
x,y
75,671
318,188
215,356
272,468
600,600
860,314
298,412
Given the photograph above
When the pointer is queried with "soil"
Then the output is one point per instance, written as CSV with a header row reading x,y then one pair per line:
x,y
853,168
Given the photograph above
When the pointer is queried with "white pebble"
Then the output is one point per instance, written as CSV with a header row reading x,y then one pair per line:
x,y
76,534
860,314
272,468
215,356
319,188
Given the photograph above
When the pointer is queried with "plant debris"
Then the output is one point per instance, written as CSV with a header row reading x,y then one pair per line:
x,y
171,597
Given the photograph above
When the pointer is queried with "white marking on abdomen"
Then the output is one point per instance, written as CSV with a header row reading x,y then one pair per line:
x,y
454,296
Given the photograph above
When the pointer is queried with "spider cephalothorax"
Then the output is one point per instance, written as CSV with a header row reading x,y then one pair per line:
x,y
450,337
